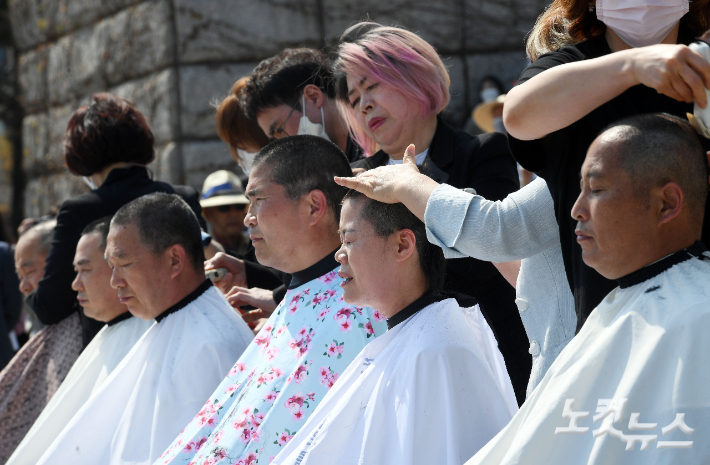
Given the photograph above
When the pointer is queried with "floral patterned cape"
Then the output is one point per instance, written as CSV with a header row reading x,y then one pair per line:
x,y
308,341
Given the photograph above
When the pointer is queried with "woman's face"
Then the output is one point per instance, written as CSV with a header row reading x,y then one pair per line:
x,y
384,113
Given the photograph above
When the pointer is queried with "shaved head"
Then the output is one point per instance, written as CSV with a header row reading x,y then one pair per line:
x,y
655,149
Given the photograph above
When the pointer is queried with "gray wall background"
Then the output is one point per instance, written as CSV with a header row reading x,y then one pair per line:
x,y
172,58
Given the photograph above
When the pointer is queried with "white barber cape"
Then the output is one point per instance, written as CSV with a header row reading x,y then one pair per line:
x,y
431,390
633,387
158,387
91,369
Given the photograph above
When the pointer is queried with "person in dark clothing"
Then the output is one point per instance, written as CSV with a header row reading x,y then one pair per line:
x,y
108,143
555,112
10,302
292,93
391,87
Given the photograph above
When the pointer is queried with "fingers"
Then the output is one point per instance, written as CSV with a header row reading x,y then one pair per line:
x,y
357,184
357,171
410,155
253,315
701,66
695,85
215,262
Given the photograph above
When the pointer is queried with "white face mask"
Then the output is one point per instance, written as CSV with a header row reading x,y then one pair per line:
x,y
89,181
306,127
489,94
246,159
641,23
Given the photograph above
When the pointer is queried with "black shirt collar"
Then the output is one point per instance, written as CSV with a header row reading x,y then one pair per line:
x,y
422,302
126,172
325,265
191,297
654,269
122,317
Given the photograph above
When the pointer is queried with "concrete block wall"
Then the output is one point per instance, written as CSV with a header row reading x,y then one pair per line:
x,y
174,58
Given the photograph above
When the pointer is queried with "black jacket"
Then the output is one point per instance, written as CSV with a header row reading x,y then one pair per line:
x,y
485,164
54,299
10,301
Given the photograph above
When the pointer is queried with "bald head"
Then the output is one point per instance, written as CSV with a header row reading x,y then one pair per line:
x,y
643,190
655,149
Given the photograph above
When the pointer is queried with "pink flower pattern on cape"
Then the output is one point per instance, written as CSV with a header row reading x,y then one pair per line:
x,y
310,339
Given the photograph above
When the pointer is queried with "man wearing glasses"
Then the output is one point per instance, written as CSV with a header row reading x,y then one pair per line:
x,y
224,206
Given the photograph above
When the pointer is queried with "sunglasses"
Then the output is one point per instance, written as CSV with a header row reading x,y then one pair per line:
x,y
226,208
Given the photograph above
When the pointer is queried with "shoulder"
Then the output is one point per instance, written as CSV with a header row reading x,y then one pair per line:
x,y
481,147
368,163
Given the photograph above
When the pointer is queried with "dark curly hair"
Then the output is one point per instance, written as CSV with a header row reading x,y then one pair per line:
x,y
107,131
279,80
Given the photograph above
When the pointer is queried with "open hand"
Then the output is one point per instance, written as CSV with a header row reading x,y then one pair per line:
x,y
382,183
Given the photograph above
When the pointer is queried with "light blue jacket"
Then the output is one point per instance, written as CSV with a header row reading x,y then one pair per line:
x,y
520,227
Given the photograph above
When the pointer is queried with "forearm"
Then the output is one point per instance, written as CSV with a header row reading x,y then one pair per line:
x,y
562,95
518,227
414,193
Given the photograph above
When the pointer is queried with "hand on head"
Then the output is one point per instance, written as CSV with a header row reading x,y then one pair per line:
x,y
236,276
383,183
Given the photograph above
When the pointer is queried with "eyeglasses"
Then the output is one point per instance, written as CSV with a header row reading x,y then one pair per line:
x,y
225,208
279,132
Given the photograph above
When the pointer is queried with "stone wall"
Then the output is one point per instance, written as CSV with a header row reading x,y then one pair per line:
x,y
174,57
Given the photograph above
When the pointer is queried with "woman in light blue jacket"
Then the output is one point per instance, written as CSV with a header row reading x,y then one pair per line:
x,y
520,227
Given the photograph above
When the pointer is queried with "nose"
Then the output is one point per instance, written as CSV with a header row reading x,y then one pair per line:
x,y
340,255
117,281
249,218
580,211
25,286
366,103
77,284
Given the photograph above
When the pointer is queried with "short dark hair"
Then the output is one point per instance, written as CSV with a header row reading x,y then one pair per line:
x,y
388,218
279,80
305,163
108,131
164,220
101,226
658,148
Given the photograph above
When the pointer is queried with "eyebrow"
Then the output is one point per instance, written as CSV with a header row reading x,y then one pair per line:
x,y
362,81
83,261
26,263
253,192
346,230
592,174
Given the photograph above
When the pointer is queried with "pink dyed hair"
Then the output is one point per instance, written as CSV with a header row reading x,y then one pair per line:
x,y
394,57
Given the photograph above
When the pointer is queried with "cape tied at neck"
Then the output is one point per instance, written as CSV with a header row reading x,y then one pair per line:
x,y
325,265
421,303
187,300
654,269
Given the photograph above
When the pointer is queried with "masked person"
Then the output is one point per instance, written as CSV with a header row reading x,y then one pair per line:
x,y
35,373
292,94
311,337
391,88
620,58
437,372
155,250
100,357
629,388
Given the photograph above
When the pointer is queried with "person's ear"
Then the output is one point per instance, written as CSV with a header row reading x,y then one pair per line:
x,y
314,95
177,258
316,205
406,244
671,199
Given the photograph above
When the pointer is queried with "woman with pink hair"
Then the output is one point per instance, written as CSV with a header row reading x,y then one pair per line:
x,y
391,88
